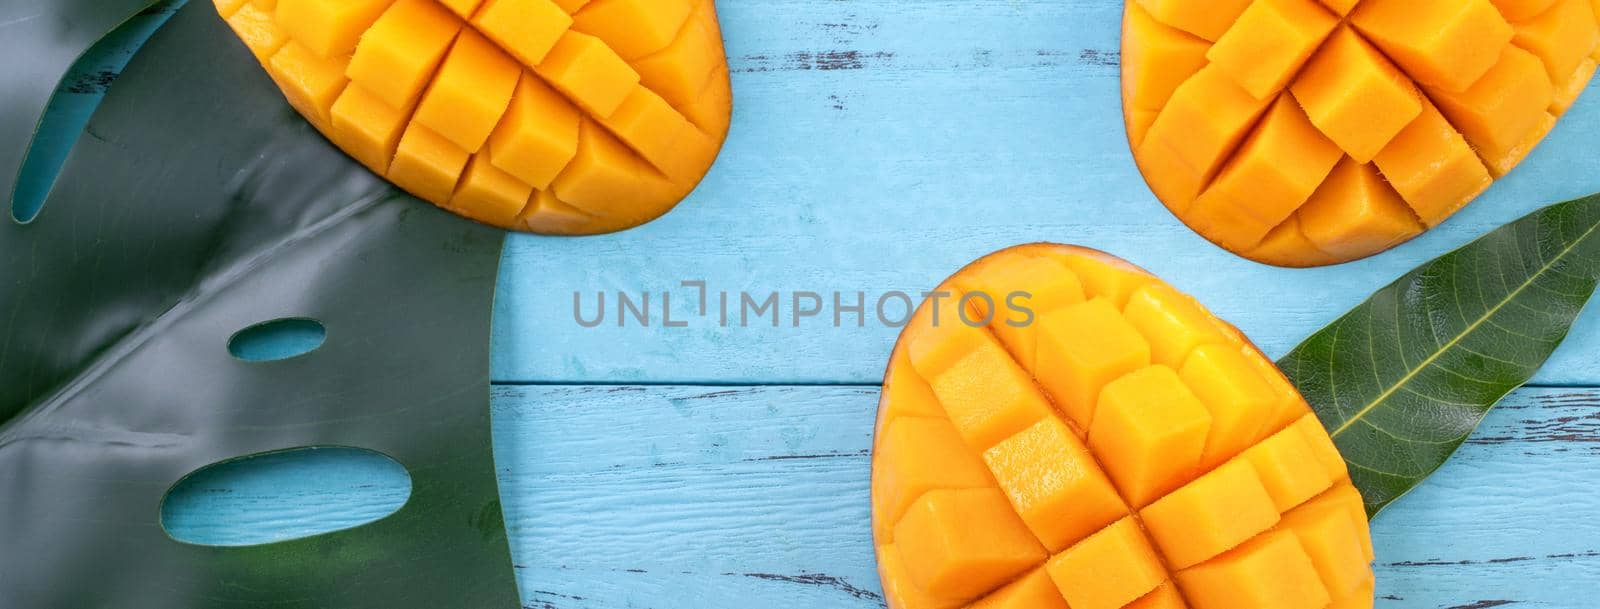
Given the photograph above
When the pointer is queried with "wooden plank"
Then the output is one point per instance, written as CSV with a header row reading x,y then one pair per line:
x,y
880,144
692,497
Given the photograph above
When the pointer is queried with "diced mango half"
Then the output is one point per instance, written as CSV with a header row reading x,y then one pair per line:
x,y
598,114
1314,132
1102,476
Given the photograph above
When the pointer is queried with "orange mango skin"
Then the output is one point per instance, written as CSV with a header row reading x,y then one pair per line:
x,y
1305,133
562,117
1196,477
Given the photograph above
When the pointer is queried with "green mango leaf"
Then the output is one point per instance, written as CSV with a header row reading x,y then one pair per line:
x,y
1402,380
197,204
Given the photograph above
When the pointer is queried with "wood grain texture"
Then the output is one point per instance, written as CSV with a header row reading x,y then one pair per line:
x,y
882,144
697,497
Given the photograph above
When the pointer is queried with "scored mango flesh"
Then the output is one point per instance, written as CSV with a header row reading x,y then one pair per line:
x,y
1122,448
1311,132
549,116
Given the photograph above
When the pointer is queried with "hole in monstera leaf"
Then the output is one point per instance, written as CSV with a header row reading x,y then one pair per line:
x,y
284,495
277,339
74,101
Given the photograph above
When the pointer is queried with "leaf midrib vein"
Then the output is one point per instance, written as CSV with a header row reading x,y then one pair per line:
x,y
1428,361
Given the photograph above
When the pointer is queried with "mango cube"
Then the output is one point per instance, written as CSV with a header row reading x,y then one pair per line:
x,y
1346,495
1165,596
1277,169
1149,431
988,396
586,70
1355,96
1208,20
470,92
962,543
1501,112
462,8
899,592
367,127
907,395
427,163
1433,168
1081,348
490,194
1109,570
604,177
1033,591
329,28
1447,44
310,82
1039,284
1054,484
258,30
654,129
1330,537
1270,42
1211,515
635,28
1286,245
1234,395
538,135
1521,10
1288,468
527,29
918,455
1159,57
399,53
1562,37
1359,598
682,70
1269,572
1322,447
1569,88
1356,213
1173,322
1207,117
1105,276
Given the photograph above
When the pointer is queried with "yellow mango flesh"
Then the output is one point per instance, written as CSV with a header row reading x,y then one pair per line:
x,y
1312,132
549,116
1148,457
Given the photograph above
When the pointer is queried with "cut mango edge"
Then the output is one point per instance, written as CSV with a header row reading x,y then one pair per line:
x,y
1121,448
562,117
1237,114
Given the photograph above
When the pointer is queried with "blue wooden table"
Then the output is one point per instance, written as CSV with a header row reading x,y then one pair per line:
x,y
877,146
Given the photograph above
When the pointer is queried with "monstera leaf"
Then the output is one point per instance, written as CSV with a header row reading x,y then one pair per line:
x,y
197,204
1402,380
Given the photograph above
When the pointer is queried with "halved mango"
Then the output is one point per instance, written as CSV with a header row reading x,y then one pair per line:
x,y
548,116
1149,457
1311,132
